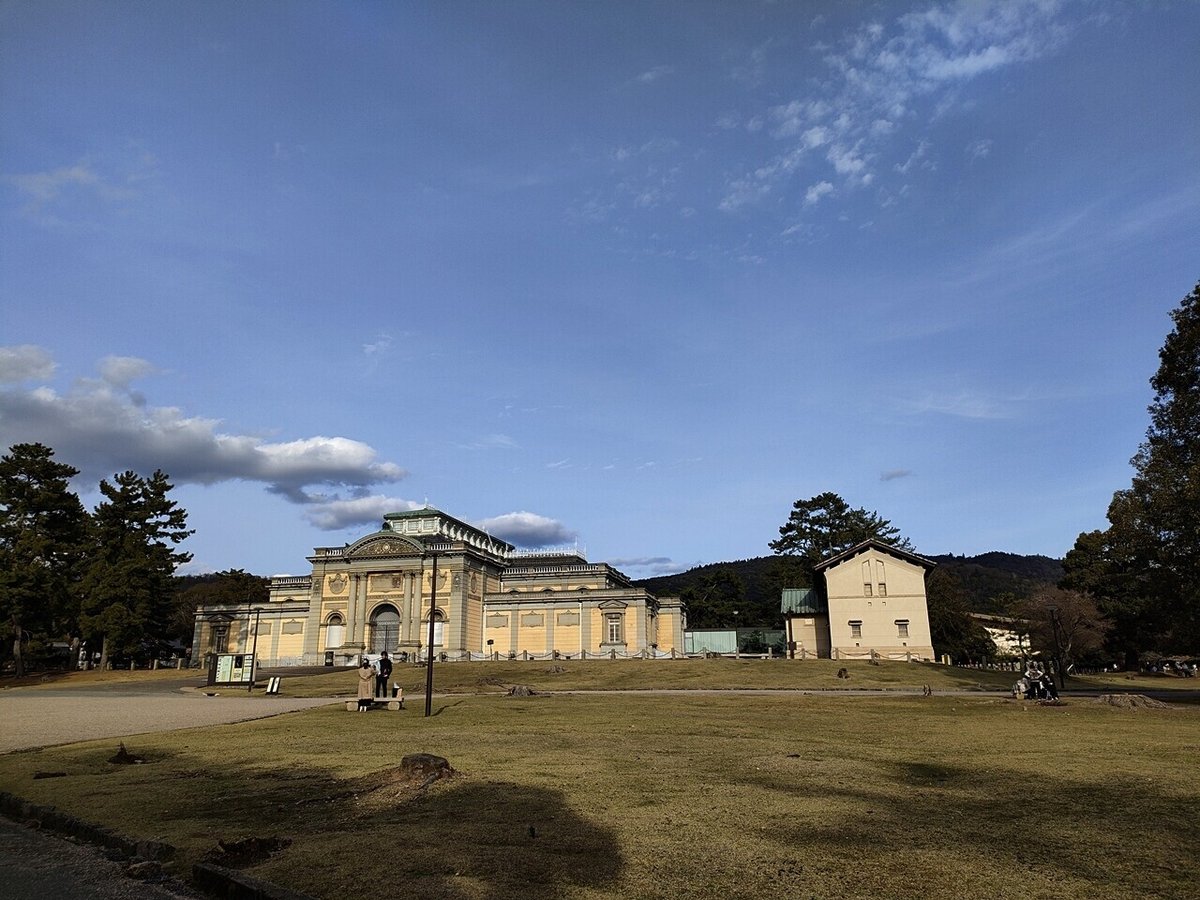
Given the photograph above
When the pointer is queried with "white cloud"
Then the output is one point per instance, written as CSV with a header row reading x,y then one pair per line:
x,y
24,363
378,347
647,566
100,427
964,404
121,371
917,156
491,442
886,77
526,529
894,474
44,187
814,194
979,149
335,515
652,75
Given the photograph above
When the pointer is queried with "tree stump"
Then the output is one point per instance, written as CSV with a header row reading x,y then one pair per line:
x,y
425,767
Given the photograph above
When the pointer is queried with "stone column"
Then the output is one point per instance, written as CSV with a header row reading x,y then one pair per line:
x,y
639,628
312,622
550,614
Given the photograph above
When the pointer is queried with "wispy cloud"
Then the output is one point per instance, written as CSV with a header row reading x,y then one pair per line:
x,y
964,404
894,474
647,566
491,442
378,347
652,75
889,78
814,194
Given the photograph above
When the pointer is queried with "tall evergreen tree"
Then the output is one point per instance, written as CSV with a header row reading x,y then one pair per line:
x,y
824,526
1142,569
127,590
42,528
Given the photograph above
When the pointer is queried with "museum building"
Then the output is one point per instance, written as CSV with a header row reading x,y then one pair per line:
x,y
486,599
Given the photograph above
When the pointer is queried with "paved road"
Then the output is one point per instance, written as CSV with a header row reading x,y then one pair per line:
x,y
44,717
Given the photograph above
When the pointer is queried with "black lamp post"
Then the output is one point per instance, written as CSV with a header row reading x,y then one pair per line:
x,y
429,662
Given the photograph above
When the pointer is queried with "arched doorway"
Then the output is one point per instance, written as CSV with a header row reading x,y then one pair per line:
x,y
335,631
385,628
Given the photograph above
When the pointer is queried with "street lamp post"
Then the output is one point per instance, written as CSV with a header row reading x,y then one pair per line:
x,y
254,645
429,662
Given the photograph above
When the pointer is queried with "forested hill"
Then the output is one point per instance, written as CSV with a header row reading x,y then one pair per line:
x,y
990,575
752,585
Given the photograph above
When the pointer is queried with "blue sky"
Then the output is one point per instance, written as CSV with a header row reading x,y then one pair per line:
x,y
630,277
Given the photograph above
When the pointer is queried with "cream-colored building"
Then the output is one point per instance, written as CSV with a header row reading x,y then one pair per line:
x,y
486,598
873,605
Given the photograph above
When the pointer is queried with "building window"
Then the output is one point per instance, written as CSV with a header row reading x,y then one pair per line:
x,y
882,589
221,638
856,629
867,590
902,628
613,630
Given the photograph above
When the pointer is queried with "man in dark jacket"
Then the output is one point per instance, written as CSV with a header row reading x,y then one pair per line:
x,y
383,674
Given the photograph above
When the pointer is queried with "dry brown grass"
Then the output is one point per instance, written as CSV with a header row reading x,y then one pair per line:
x,y
657,796
682,674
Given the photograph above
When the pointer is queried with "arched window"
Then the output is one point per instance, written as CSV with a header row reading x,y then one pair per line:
x,y
439,628
335,631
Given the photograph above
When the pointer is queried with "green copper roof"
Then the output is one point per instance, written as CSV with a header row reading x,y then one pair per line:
x,y
801,602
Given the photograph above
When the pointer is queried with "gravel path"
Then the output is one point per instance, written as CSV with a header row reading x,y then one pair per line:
x,y
37,864
42,719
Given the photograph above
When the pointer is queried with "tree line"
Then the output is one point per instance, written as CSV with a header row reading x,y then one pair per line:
x,y
102,578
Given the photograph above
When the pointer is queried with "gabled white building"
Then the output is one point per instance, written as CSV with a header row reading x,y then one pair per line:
x,y
872,603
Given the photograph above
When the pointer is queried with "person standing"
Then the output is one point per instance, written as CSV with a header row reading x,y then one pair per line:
x,y
384,673
366,678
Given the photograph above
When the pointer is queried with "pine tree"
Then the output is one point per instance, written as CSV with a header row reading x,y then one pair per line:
x,y
826,525
42,529
127,590
1142,569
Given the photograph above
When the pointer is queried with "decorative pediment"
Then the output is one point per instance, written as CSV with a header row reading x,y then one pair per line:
x,y
389,545
612,604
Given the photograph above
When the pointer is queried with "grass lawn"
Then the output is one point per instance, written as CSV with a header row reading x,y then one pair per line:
x,y
681,674
669,796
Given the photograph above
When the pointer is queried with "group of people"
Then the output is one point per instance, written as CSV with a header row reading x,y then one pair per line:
x,y
1035,685
373,678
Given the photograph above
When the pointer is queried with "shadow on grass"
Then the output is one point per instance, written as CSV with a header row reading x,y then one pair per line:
x,y
1037,823
457,838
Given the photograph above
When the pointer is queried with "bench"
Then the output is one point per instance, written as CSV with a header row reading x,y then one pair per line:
x,y
392,703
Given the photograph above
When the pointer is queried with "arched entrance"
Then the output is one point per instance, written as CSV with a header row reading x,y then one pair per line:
x,y
385,628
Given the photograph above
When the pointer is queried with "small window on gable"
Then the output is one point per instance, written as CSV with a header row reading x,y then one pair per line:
x,y
867,589
882,589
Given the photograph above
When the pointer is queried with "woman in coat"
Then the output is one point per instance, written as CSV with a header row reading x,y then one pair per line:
x,y
366,685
